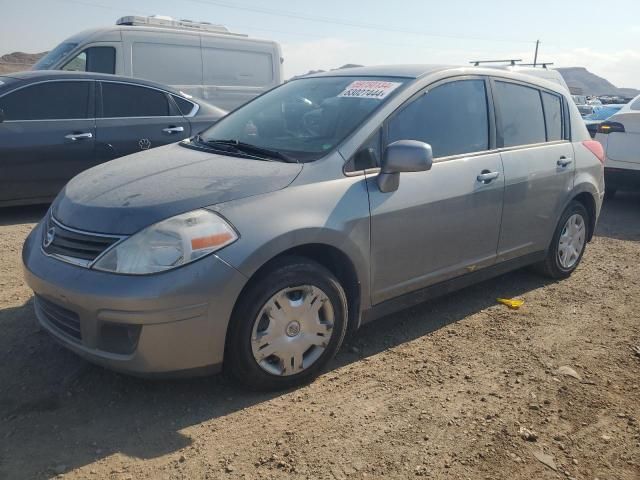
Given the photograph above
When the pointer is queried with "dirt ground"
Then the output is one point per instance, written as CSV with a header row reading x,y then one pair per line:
x,y
441,391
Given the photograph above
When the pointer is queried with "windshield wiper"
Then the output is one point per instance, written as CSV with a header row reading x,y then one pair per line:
x,y
251,149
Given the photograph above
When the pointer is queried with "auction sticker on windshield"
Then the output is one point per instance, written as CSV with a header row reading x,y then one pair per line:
x,y
369,89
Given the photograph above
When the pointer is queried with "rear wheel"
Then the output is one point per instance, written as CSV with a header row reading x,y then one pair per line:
x,y
288,325
568,244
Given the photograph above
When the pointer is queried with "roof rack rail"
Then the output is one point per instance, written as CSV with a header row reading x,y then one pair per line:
x,y
512,61
169,22
538,64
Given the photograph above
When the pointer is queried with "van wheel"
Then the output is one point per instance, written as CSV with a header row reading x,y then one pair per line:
x,y
286,326
568,244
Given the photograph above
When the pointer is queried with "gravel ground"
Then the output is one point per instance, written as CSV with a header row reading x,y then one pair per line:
x,y
458,388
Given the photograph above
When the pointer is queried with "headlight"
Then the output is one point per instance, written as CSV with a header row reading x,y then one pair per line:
x,y
168,244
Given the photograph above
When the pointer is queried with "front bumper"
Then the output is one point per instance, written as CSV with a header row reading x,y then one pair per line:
x,y
162,323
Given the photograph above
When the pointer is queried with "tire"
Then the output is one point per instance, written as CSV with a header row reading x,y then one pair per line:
x,y
286,291
609,193
553,265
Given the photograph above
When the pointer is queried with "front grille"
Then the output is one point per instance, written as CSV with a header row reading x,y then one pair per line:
x,y
60,318
65,242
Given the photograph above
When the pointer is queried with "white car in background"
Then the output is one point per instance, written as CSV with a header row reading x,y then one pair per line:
x,y
620,138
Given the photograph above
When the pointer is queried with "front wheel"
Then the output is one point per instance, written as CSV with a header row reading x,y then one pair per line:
x,y
568,244
287,326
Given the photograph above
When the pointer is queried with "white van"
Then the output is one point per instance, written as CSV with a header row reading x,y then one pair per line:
x,y
226,69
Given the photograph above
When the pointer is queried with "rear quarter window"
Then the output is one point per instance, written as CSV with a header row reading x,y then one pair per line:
x,y
184,105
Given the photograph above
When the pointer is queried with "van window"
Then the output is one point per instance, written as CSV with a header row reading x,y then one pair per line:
x,y
94,59
45,101
635,105
452,118
54,56
121,100
236,67
552,116
522,120
168,64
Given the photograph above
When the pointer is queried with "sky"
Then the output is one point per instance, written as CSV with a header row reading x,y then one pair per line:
x,y
325,34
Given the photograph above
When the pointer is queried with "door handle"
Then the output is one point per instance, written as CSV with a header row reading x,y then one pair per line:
x,y
171,130
487,176
564,161
78,136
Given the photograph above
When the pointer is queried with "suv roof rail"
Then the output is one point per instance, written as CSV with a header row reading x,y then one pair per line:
x,y
512,61
169,22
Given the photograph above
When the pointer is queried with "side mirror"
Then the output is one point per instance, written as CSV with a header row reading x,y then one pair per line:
x,y
403,156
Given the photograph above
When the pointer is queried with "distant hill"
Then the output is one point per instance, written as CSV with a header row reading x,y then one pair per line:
x,y
592,84
18,61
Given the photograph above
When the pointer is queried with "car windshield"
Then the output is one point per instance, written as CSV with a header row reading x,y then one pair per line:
x,y
54,56
603,113
305,118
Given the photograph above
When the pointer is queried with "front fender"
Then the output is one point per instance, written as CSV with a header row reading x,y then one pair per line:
x,y
333,213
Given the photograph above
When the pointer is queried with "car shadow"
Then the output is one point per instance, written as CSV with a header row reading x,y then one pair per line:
x,y
22,214
74,413
620,217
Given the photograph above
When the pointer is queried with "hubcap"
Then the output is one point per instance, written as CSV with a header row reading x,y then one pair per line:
x,y
292,330
572,241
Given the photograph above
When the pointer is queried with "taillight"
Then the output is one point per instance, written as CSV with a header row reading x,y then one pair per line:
x,y
610,127
595,147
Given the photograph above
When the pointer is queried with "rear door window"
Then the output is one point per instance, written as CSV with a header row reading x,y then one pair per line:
x,y
553,116
47,101
521,115
452,118
123,100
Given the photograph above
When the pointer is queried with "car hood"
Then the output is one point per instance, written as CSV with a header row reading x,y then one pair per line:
x,y
132,192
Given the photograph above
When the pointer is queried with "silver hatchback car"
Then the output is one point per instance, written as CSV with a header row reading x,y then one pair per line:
x,y
325,203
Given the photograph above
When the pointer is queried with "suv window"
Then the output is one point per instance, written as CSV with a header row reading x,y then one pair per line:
x,y
94,59
452,118
521,114
552,116
45,101
122,100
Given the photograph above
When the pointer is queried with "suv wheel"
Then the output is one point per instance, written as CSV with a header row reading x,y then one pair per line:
x,y
568,244
287,326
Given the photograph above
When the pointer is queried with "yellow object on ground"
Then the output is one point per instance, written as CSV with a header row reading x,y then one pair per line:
x,y
514,303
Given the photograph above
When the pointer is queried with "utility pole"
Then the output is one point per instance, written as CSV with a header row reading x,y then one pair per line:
x,y
535,56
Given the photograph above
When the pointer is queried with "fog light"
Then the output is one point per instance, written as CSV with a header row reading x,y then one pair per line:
x,y
119,338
